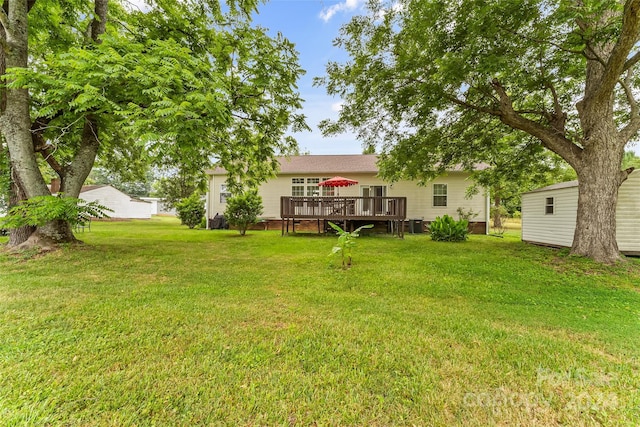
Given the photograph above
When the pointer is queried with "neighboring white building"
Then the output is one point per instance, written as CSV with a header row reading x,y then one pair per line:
x,y
299,176
159,206
549,215
123,205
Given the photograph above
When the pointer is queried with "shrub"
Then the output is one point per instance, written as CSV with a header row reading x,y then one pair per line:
x,y
191,210
447,229
40,210
466,214
243,210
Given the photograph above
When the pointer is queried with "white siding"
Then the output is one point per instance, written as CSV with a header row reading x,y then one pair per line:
x,y
628,214
124,207
558,229
419,199
552,229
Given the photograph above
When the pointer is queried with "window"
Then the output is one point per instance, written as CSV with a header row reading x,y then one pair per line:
x,y
440,195
297,190
328,191
224,193
308,187
548,206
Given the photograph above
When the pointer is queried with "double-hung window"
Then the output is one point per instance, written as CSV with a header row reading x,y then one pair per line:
x,y
224,193
440,195
297,187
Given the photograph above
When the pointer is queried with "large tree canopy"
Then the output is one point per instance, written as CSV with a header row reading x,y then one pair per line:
x,y
179,83
428,78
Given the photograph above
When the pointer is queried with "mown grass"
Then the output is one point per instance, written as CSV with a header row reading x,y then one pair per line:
x,y
150,323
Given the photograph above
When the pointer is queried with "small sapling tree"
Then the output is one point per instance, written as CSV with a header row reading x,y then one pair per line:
x,y
243,209
346,242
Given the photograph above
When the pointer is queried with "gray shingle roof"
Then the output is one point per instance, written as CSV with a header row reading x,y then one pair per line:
x,y
323,164
333,164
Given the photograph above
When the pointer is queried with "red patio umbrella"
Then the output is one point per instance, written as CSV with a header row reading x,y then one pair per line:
x,y
338,181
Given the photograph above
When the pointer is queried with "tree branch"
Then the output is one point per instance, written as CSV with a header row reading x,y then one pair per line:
x,y
469,106
626,85
550,138
42,147
559,118
549,42
632,61
99,22
618,57
4,20
634,122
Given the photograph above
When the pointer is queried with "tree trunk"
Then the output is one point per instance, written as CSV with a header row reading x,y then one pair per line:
x,y
16,128
598,184
497,218
16,120
20,235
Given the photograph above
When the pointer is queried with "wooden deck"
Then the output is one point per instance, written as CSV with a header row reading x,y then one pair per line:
x,y
346,209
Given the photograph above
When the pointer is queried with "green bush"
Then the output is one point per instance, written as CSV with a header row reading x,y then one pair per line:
x,y
447,229
191,210
243,210
40,210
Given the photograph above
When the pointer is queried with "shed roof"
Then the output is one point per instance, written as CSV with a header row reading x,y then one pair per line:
x,y
327,164
86,188
558,186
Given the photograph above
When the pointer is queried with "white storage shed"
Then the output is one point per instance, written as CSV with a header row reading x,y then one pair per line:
x,y
549,215
123,205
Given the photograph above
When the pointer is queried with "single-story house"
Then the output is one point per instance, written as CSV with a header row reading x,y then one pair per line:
x,y
372,197
123,205
549,215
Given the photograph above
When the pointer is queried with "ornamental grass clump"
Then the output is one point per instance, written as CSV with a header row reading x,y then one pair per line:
x,y
447,229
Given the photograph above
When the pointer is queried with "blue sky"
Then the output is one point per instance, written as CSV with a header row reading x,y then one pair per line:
x,y
312,25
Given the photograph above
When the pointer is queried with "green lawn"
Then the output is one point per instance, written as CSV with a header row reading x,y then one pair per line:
x,y
154,324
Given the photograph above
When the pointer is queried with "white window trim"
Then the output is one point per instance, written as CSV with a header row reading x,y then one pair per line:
x,y
224,194
552,205
434,195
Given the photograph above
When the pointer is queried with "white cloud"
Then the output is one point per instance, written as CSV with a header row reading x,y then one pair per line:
x,y
345,6
396,7
337,106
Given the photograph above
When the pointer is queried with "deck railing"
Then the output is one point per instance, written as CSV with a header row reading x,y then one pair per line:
x,y
344,208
